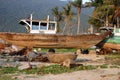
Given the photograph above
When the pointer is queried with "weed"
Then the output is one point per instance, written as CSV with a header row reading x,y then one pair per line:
x,y
104,66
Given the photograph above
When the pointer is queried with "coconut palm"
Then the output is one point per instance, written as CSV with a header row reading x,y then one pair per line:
x,y
96,3
102,14
78,5
58,16
116,4
68,15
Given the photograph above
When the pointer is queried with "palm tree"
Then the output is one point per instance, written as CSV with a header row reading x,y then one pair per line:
x,y
78,5
58,16
102,13
97,3
116,4
68,15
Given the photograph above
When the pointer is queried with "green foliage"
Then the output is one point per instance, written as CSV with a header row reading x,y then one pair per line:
x,y
104,11
77,3
97,3
95,22
58,16
116,2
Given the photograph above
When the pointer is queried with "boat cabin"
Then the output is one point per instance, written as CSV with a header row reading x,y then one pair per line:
x,y
104,29
40,26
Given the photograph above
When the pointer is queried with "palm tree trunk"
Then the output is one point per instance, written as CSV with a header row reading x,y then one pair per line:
x,y
78,13
69,28
58,28
64,29
118,22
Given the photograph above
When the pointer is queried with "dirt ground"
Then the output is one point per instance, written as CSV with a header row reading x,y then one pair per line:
x,y
89,59
99,74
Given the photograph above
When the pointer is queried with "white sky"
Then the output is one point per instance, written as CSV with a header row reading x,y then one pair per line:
x,y
85,1
82,0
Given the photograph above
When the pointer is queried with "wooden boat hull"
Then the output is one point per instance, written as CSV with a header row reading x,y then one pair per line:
x,y
52,40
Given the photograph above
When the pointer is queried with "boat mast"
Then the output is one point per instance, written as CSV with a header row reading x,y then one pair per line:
x,y
48,18
31,16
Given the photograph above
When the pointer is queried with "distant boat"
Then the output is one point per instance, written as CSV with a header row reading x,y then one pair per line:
x,y
40,26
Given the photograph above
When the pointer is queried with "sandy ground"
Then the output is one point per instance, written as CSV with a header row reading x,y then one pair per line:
x,y
97,74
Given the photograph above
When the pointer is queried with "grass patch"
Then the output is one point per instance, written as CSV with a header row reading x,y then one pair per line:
x,y
104,66
6,77
57,69
116,63
52,69
8,70
30,71
113,59
114,66
59,50
112,56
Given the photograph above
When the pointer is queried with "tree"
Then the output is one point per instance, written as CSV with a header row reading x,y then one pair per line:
x,y
78,5
97,3
68,15
116,4
103,13
58,16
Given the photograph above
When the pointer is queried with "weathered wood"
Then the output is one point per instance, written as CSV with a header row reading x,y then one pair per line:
x,y
53,40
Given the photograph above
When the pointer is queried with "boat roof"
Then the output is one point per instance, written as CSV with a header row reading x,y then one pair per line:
x,y
22,21
106,28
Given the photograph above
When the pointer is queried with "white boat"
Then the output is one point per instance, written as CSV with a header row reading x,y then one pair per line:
x,y
40,26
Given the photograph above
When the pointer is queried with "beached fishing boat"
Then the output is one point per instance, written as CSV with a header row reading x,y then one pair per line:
x,y
42,35
52,40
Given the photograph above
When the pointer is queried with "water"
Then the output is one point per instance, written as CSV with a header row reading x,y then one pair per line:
x,y
11,11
